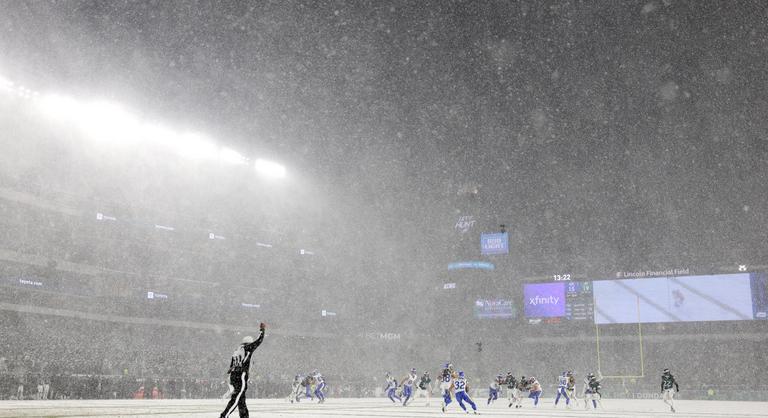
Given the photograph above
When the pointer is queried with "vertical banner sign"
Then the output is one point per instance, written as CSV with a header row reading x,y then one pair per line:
x,y
496,243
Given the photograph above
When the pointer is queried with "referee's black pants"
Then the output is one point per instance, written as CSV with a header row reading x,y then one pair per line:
x,y
240,382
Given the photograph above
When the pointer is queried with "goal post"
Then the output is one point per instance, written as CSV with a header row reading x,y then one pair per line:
x,y
639,340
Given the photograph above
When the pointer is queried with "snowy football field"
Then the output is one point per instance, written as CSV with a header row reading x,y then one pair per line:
x,y
370,407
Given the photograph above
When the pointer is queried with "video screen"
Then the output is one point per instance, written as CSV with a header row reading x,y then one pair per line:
x,y
558,301
717,297
759,283
722,297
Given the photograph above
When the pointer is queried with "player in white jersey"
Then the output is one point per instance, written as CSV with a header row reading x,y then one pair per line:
x,y
535,391
391,388
494,388
562,389
570,388
408,382
460,388
424,387
295,389
319,386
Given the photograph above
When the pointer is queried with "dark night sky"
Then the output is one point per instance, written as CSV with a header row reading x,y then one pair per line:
x,y
629,131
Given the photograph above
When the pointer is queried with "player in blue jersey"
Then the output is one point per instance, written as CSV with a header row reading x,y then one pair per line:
x,y
494,388
460,389
391,388
319,386
562,389
407,384
535,392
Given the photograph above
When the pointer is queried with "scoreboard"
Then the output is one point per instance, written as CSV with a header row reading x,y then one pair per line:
x,y
579,303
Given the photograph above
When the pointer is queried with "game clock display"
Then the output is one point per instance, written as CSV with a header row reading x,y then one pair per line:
x,y
579,304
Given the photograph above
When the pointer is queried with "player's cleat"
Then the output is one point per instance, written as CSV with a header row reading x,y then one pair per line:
x,y
443,408
672,408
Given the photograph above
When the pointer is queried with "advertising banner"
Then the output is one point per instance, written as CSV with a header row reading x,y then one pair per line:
x,y
464,223
544,300
494,308
496,243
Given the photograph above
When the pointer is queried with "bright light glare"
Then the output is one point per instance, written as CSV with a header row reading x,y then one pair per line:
x,y
103,121
6,84
230,156
157,134
107,121
196,147
269,168
60,107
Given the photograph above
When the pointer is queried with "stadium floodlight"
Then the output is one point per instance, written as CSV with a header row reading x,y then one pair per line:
x,y
109,122
269,169
58,107
230,156
196,147
6,84
157,134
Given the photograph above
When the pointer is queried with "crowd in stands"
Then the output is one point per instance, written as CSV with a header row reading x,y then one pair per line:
x,y
52,357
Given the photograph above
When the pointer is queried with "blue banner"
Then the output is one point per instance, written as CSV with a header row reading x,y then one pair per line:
x,y
477,265
497,243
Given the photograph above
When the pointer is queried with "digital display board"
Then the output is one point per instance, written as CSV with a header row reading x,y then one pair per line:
x,y
554,302
724,297
579,303
544,300
690,298
759,282
494,309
